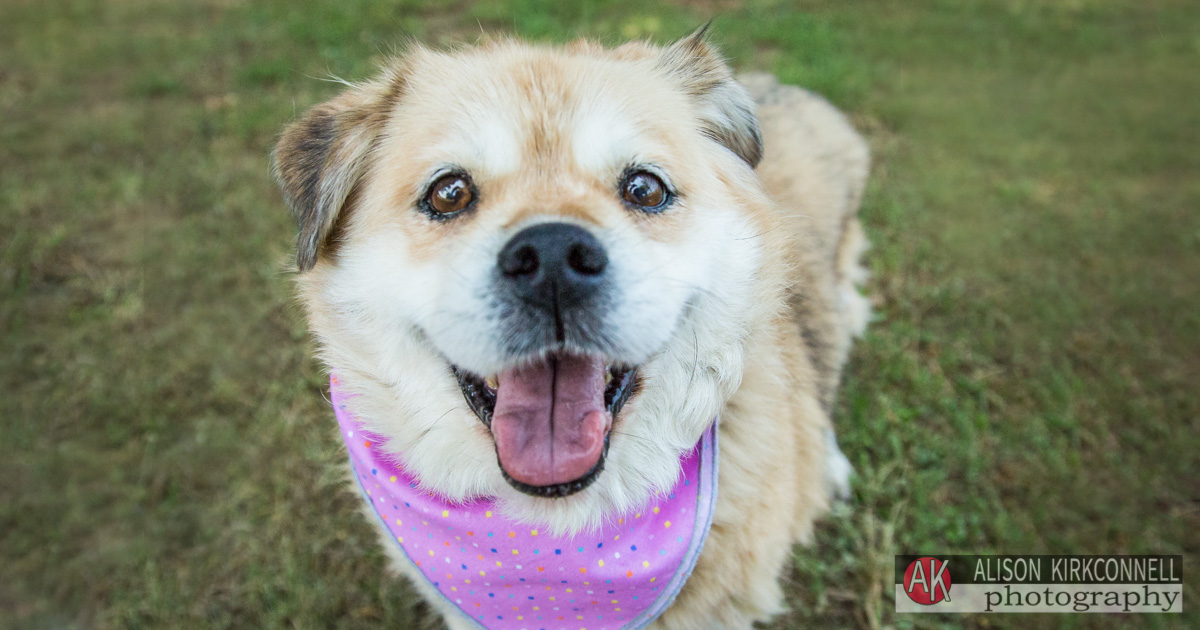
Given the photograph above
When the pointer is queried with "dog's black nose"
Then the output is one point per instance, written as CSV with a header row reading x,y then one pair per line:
x,y
553,265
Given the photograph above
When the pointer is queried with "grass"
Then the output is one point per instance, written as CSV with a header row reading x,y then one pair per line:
x,y
1029,386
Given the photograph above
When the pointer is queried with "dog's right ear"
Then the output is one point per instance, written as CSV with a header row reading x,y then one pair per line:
x,y
726,109
321,157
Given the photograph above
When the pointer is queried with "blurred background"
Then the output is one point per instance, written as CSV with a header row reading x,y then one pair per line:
x,y
167,458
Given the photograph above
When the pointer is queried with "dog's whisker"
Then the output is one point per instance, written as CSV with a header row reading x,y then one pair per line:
x,y
631,435
695,360
760,234
691,287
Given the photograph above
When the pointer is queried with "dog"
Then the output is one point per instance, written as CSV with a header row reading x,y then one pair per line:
x,y
543,276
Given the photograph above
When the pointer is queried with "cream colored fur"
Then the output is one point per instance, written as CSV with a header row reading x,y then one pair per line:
x,y
740,301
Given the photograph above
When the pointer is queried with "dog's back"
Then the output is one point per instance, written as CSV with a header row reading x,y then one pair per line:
x,y
815,167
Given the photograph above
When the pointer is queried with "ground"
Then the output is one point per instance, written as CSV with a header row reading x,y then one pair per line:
x,y
1029,384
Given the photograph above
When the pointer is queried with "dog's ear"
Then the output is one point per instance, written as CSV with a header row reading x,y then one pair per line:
x,y
726,108
321,157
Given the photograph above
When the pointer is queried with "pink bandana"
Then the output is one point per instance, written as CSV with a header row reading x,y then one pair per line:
x,y
504,574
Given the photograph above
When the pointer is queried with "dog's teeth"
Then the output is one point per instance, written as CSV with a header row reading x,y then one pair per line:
x,y
607,377
492,382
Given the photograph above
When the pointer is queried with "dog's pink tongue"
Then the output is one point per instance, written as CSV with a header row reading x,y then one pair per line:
x,y
550,421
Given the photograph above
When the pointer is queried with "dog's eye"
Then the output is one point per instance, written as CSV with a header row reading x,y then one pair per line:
x,y
449,194
644,190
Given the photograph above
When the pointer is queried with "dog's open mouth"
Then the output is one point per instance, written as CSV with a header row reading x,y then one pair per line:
x,y
550,419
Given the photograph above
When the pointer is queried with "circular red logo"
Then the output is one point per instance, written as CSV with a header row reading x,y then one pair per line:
x,y
927,581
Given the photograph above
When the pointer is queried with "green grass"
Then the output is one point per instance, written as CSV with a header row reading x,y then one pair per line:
x,y
1030,384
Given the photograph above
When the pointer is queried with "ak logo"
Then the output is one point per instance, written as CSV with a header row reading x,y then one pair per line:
x,y
927,581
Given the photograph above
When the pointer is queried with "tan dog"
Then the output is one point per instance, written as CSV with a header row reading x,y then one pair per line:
x,y
474,221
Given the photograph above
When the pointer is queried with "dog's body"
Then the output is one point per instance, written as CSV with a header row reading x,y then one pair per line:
x,y
734,295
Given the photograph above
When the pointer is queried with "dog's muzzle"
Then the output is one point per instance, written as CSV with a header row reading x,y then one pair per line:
x,y
551,412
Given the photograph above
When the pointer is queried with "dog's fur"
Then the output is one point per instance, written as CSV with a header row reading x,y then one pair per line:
x,y
741,300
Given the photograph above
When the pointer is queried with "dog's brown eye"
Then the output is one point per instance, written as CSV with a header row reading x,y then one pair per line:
x,y
644,190
450,194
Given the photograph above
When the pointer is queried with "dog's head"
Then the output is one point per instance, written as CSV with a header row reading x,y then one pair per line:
x,y
539,265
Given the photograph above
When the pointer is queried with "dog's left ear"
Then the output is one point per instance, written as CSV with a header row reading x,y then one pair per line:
x,y
726,108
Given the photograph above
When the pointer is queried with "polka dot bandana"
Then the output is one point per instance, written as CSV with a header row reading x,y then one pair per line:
x,y
504,574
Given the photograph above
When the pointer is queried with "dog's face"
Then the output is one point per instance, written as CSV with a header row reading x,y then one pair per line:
x,y
537,265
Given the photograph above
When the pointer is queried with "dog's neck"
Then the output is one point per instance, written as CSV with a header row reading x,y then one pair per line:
x,y
505,572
